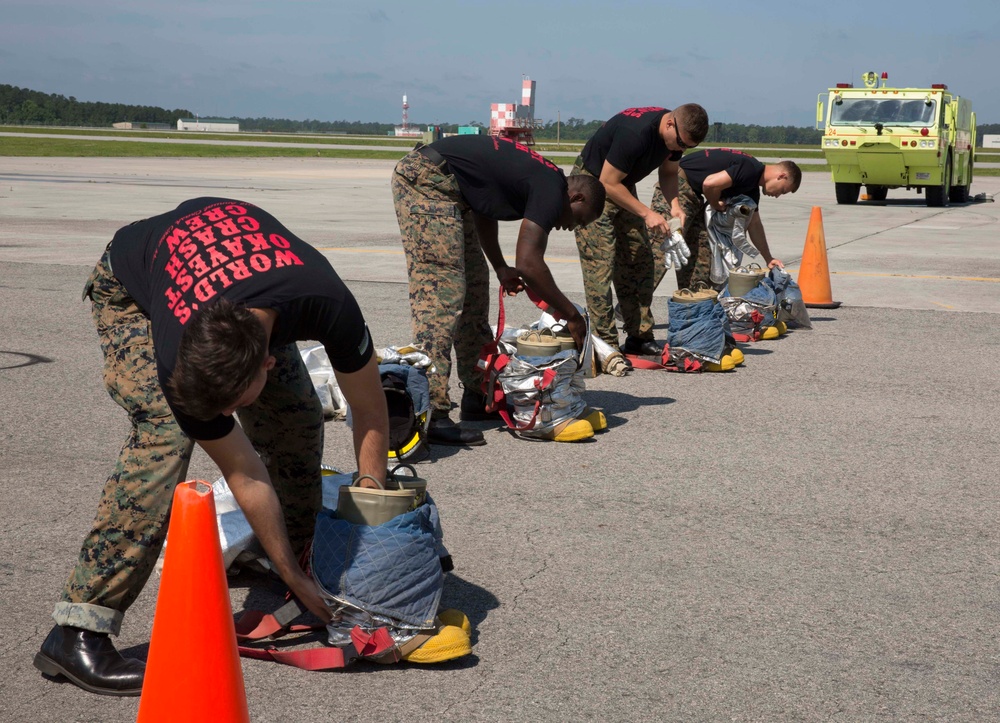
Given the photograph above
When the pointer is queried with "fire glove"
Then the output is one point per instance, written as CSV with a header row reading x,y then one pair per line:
x,y
675,251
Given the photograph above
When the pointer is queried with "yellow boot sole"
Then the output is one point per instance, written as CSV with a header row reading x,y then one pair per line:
x,y
575,431
724,365
449,643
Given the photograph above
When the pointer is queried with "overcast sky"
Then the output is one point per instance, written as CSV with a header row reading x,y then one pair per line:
x,y
746,62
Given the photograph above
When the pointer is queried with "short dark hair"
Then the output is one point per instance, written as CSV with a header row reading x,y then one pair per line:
x,y
590,187
693,120
793,171
222,349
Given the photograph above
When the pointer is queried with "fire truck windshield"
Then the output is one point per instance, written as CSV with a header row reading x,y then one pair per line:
x,y
888,111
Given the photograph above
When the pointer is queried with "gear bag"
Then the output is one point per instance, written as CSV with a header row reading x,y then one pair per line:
x,y
533,394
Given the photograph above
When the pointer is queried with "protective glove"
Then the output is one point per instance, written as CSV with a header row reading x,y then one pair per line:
x,y
675,251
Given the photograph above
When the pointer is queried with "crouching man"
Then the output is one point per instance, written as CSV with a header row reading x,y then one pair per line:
x,y
198,311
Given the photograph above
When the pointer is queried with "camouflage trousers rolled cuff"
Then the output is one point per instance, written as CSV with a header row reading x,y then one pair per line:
x,y
95,618
615,251
699,266
449,279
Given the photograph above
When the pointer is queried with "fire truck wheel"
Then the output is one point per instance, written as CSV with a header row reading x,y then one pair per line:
x,y
877,193
938,195
847,193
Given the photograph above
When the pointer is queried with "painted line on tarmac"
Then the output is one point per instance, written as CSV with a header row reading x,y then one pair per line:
x,y
908,276
395,252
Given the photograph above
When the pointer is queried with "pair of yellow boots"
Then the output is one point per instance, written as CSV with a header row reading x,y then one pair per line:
x,y
735,358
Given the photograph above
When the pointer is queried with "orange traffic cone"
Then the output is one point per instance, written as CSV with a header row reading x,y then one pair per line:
x,y
814,272
193,671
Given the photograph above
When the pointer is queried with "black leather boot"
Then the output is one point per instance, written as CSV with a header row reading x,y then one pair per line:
x,y
473,408
89,660
445,431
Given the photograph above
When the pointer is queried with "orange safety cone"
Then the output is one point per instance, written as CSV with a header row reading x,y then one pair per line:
x,y
193,671
814,272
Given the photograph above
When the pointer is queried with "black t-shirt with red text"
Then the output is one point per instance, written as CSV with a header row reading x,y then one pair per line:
x,y
178,262
504,180
631,142
744,169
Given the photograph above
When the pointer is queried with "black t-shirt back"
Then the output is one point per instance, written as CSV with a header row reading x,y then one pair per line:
x,y
743,168
631,142
504,180
176,263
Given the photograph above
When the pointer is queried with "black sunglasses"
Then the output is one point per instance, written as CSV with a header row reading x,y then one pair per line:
x,y
677,137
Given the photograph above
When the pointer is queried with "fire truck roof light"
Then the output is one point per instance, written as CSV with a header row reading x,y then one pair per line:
x,y
885,76
845,85
939,86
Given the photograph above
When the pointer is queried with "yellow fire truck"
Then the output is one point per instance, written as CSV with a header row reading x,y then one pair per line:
x,y
882,138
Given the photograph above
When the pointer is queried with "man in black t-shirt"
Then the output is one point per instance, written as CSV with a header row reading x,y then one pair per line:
x,y
616,248
711,177
448,197
198,311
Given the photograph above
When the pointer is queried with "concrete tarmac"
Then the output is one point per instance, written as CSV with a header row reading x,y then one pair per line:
x,y
811,536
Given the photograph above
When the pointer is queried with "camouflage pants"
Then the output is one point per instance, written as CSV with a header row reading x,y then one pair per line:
x,y
448,274
615,249
699,266
285,425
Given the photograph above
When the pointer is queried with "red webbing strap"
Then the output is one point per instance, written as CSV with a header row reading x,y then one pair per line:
x,y
309,659
687,364
363,645
257,625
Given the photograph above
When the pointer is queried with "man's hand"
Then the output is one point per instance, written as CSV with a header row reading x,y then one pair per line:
x,y
577,326
656,223
510,280
305,590
775,262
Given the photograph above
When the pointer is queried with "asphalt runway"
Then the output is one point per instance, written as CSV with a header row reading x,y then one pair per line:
x,y
810,537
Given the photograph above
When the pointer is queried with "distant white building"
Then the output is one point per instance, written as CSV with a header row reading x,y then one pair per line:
x,y
213,125
991,141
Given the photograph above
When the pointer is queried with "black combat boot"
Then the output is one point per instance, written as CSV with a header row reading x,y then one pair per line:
x,y
89,660
445,431
473,408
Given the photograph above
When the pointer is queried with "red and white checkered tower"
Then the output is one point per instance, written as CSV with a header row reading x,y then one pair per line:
x,y
513,121
406,114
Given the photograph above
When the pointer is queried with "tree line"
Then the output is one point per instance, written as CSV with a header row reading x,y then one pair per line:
x,y
21,106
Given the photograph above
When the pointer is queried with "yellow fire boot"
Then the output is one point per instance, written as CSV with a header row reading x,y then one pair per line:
x,y
572,430
595,417
769,332
453,616
448,643
724,365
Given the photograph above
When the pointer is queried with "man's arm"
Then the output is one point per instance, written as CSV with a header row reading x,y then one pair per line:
x,y
612,179
530,261
251,486
712,189
486,231
757,237
668,187
370,418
